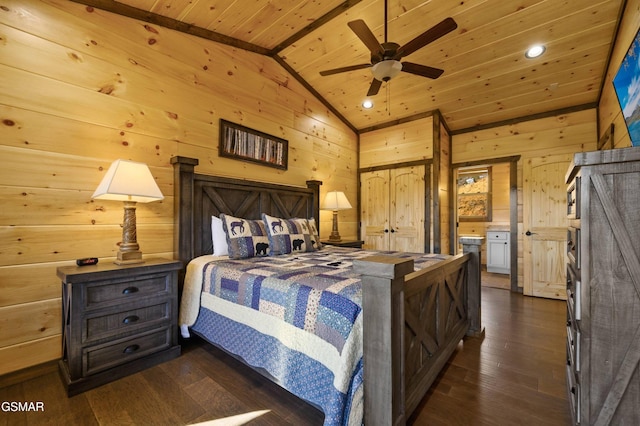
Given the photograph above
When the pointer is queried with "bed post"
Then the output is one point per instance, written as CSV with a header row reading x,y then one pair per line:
x,y
314,185
472,246
383,336
183,171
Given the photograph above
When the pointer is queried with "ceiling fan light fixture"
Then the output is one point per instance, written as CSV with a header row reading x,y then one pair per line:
x,y
367,104
386,70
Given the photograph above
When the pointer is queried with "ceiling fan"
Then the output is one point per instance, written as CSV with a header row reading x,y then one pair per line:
x,y
385,57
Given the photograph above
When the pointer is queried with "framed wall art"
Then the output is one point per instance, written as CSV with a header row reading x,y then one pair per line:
x,y
474,195
243,143
628,91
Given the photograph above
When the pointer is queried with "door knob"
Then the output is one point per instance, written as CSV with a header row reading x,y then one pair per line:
x,y
528,233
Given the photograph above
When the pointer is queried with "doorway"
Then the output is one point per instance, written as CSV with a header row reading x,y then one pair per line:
x,y
500,204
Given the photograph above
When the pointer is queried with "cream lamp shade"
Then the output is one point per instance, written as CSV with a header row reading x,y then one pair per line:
x,y
130,182
335,200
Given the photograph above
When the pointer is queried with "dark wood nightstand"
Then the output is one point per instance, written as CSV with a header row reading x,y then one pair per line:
x,y
344,243
117,320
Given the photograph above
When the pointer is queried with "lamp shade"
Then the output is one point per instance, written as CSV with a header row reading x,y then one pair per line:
x,y
128,181
335,200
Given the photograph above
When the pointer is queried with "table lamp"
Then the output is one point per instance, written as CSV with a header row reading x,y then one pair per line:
x,y
335,200
131,182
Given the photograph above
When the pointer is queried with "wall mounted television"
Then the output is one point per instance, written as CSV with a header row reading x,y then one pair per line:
x,y
627,86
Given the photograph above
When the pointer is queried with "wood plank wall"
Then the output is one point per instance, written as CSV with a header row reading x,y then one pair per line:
x,y
402,143
81,88
566,133
608,108
445,186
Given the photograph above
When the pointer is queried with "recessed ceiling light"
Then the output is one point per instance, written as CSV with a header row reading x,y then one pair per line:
x,y
535,51
367,104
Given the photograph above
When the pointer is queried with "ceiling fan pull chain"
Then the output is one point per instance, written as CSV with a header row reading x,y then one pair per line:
x,y
388,97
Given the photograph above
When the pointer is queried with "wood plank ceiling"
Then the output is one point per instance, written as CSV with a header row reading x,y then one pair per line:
x,y
486,80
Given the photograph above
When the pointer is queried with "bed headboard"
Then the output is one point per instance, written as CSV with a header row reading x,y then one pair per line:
x,y
197,197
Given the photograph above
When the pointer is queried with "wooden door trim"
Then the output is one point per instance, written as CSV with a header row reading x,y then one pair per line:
x,y
513,210
426,163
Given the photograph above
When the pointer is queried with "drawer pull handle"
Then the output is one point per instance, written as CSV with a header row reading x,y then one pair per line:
x,y
131,349
130,319
130,290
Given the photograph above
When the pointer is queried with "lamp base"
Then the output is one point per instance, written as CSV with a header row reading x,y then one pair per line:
x,y
129,252
335,235
129,258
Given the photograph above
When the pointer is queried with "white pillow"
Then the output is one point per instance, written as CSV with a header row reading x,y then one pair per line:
x,y
218,237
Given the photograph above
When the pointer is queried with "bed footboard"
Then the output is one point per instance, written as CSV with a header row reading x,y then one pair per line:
x,y
413,321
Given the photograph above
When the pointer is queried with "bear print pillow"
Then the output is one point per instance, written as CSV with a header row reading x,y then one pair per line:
x,y
288,235
245,238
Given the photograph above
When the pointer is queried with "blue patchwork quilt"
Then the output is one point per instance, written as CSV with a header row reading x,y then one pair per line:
x,y
306,326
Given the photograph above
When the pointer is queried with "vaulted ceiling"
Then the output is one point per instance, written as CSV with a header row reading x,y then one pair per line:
x,y
486,79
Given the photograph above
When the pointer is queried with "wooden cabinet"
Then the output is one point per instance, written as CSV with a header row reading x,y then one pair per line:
x,y
117,320
393,209
603,287
498,252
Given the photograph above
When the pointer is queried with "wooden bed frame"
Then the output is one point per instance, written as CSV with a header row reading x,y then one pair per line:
x,y
413,321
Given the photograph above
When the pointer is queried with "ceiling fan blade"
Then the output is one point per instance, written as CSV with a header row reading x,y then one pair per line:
x,y
374,88
432,34
421,70
345,69
366,36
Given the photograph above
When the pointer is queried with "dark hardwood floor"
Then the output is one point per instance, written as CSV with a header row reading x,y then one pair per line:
x,y
515,375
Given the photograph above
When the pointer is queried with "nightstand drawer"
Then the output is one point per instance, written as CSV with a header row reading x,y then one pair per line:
x,y
102,357
109,293
154,314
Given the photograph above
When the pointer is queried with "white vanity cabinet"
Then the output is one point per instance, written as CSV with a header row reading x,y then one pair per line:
x,y
498,252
